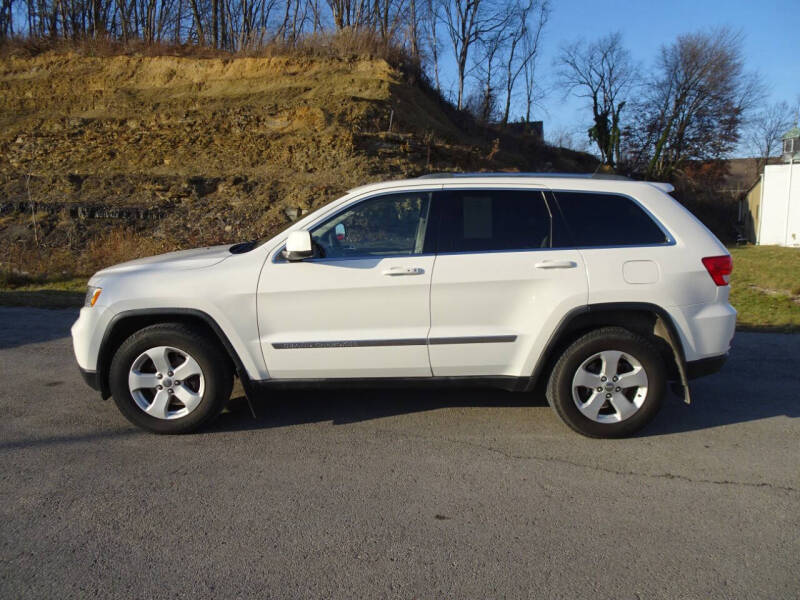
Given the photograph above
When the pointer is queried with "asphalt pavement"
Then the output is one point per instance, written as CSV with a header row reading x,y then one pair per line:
x,y
396,494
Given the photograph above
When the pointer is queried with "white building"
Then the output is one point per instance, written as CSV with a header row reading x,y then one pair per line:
x,y
773,203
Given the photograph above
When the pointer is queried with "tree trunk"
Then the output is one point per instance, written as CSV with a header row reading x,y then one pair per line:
x,y
201,38
215,22
412,30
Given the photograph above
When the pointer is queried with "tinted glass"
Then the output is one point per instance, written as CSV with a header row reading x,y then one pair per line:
x,y
478,220
603,220
385,225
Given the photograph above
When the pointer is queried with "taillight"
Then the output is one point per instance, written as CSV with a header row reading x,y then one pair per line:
x,y
720,268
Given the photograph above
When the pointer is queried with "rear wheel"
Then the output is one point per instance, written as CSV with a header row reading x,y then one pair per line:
x,y
608,383
167,378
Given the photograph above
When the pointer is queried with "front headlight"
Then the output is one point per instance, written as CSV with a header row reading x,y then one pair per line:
x,y
92,294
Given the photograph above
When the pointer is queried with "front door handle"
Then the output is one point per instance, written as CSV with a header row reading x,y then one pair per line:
x,y
556,264
399,271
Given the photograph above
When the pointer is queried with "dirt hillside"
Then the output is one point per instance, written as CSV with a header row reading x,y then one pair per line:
x,y
104,158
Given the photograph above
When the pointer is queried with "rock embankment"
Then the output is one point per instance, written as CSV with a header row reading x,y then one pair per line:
x,y
195,151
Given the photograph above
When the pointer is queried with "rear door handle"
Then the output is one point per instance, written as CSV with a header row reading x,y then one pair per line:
x,y
556,264
399,271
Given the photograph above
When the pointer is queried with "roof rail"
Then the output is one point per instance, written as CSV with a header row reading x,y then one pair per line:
x,y
451,175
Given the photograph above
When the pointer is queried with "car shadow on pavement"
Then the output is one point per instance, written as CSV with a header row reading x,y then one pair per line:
x,y
757,383
709,410
714,404
340,407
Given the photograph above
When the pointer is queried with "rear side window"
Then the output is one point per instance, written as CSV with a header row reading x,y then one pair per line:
x,y
481,220
603,220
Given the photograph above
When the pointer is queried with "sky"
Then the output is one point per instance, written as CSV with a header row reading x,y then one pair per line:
x,y
771,43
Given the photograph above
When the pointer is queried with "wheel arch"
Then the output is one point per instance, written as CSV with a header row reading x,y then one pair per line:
x,y
125,323
644,318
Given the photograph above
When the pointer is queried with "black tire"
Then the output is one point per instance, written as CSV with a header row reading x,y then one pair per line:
x,y
216,369
559,388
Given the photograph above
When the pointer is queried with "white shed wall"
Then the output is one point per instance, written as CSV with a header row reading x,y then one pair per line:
x,y
777,194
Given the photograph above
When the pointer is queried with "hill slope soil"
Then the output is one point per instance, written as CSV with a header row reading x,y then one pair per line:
x,y
106,158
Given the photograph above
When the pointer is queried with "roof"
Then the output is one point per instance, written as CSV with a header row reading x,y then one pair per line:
x,y
447,179
449,175
792,133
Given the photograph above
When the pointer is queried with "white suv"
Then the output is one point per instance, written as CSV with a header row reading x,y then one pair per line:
x,y
603,288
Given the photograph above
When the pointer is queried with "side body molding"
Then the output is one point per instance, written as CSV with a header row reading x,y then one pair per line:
x,y
547,358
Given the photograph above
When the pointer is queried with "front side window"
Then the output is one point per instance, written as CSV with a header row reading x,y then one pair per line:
x,y
494,220
392,224
590,220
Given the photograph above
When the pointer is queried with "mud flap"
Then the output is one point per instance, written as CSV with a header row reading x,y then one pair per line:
x,y
680,361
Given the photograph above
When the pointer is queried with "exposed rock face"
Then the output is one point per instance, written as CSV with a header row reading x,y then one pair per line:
x,y
197,151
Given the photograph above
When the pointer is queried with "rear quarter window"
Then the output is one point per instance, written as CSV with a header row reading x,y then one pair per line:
x,y
592,220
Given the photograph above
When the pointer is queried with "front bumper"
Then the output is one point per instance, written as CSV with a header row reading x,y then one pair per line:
x,y
87,335
705,366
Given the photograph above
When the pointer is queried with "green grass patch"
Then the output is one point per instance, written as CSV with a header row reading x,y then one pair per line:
x,y
42,298
23,290
765,287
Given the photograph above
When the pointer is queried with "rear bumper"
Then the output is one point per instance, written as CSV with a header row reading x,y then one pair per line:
x,y
705,366
91,379
706,330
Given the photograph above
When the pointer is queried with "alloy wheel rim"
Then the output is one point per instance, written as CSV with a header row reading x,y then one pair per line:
x,y
166,382
609,386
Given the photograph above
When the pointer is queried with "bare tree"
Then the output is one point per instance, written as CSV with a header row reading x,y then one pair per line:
x,y
432,20
467,22
6,19
764,130
528,21
483,103
602,72
694,107
198,23
533,93
413,30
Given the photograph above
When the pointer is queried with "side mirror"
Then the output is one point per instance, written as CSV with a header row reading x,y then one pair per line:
x,y
298,246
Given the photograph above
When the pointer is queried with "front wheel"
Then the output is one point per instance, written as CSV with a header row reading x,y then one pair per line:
x,y
167,378
608,383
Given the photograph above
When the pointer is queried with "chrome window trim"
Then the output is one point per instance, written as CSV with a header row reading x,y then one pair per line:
x,y
323,260
276,255
670,240
542,190
560,249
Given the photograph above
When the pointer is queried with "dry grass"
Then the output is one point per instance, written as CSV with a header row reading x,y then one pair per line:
x,y
41,267
346,44
119,245
55,279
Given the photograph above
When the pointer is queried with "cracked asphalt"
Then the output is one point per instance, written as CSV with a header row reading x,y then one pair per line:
x,y
399,494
